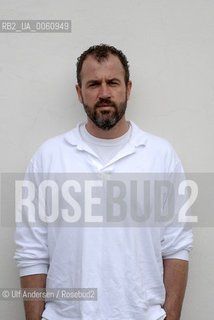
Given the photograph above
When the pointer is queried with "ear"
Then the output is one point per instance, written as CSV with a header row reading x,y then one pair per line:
x,y
129,86
78,90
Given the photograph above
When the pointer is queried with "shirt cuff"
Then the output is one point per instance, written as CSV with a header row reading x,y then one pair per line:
x,y
41,268
182,255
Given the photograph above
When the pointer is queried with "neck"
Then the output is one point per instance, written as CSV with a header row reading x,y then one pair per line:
x,y
117,131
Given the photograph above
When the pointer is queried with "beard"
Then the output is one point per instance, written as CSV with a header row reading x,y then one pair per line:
x,y
106,119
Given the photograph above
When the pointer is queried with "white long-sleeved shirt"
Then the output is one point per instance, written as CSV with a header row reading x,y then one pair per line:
x,y
124,264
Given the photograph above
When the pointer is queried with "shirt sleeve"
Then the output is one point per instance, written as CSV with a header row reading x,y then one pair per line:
x,y
181,255
176,236
31,254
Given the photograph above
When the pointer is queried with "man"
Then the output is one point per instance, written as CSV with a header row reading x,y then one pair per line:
x,y
139,272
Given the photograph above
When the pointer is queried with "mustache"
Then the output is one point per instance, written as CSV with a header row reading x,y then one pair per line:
x,y
103,101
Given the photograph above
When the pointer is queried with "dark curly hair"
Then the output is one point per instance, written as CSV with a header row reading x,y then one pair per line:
x,y
101,52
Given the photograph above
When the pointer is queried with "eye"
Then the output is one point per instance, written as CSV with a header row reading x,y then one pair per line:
x,y
113,83
93,84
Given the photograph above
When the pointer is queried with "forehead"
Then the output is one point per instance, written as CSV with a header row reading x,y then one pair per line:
x,y
111,67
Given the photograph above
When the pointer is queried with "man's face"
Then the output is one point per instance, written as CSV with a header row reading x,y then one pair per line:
x,y
103,92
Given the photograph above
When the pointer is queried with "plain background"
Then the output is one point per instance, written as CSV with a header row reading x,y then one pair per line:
x,y
170,47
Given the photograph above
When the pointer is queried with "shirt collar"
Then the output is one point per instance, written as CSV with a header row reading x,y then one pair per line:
x,y
138,137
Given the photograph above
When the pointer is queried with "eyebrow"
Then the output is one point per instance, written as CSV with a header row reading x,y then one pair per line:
x,y
114,79
98,81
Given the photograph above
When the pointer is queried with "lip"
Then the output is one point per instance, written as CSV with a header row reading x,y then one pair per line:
x,y
105,106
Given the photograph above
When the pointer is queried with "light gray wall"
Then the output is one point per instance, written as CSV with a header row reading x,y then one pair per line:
x,y
170,47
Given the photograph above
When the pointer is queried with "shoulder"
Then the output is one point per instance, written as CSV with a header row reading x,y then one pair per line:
x,y
52,144
52,149
141,137
158,143
156,148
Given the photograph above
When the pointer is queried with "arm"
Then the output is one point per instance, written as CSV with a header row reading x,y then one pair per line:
x,y
34,308
175,280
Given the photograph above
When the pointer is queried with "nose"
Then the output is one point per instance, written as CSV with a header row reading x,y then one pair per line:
x,y
104,92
